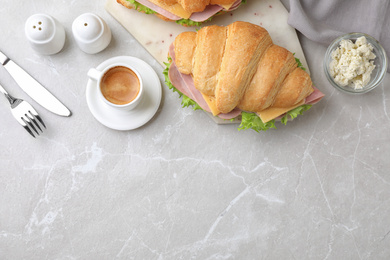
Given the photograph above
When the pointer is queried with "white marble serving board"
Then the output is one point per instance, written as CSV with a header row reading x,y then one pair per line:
x,y
156,35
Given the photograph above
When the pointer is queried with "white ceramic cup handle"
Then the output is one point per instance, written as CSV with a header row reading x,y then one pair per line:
x,y
94,74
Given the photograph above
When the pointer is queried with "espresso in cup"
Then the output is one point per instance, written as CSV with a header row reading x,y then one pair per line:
x,y
120,85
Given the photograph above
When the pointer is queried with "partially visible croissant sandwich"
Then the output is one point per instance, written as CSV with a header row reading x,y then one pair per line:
x,y
184,12
237,72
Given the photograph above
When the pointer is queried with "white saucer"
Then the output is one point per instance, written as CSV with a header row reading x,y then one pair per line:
x,y
127,120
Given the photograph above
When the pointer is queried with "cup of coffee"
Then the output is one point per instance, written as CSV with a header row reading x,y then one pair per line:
x,y
119,85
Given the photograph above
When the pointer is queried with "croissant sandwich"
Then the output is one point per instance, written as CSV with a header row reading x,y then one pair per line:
x,y
237,72
184,12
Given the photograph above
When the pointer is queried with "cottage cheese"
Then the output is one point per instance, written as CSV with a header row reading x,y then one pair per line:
x,y
352,63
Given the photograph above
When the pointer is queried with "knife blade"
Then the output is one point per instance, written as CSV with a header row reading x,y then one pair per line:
x,y
33,88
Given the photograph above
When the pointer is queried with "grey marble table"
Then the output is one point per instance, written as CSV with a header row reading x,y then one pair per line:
x,y
181,186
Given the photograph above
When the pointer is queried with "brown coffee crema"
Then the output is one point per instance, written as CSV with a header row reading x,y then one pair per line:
x,y
120,85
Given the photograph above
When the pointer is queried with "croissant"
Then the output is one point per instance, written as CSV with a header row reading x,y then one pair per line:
x,y
238,68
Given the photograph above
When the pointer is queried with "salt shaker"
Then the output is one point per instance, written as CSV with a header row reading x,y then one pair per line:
x,y
45,34
91,33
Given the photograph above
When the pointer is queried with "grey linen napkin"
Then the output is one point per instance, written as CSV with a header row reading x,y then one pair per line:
x,y
324,20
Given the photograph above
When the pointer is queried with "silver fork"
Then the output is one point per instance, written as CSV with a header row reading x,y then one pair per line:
x,y
24,113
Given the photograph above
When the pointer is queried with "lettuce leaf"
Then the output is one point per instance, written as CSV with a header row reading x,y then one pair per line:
x,y
299,63
188,22
294,113
251,120
186,101
141,8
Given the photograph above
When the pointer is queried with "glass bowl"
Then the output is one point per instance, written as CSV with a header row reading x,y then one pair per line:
x,y
380,62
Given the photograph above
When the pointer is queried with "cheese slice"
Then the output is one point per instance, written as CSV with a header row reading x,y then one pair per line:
x,y
175,9
273,112
210,100
265,115
227,7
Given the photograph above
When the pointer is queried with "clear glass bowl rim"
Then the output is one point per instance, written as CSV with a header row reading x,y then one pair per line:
x,y
379,51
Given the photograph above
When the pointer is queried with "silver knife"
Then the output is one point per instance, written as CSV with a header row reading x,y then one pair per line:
x,y
33,88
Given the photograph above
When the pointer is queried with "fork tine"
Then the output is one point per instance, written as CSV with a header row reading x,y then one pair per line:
x,y
40,120
28,130
33,119
27,120
35,114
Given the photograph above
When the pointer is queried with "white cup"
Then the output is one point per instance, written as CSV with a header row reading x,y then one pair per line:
x,y
91,33
117,85
45,34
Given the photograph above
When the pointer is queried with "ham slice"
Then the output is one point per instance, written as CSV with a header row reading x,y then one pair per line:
x,y
206,14
235,5
232,114
185,84
177,80
314,97
197,96
171,52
